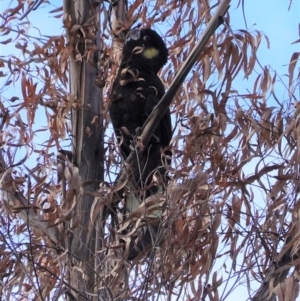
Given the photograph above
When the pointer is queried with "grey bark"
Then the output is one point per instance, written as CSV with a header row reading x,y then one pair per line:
x,y
85,237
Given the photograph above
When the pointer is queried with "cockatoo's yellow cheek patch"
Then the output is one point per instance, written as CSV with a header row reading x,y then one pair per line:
x,y
150,53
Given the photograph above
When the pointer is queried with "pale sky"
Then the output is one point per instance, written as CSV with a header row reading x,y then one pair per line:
x,y
270,16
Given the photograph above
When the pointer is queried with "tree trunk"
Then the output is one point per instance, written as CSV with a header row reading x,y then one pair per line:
x,y
87,136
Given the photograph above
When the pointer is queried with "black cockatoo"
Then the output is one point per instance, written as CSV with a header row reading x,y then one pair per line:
x,y
136,91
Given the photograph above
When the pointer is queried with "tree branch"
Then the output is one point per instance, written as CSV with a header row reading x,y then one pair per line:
x,y
158,111
278,273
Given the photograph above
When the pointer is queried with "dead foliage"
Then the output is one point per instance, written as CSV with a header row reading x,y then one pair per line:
x,y
231,211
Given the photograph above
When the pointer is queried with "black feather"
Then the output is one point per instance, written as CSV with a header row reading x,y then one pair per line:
x,y
136,91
